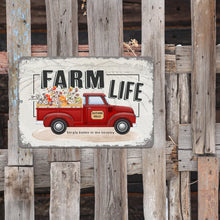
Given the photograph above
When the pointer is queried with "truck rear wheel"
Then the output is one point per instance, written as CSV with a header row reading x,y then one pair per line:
x,y
122,126
58,126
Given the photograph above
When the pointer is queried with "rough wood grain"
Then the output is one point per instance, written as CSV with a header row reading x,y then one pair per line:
x,y
64,204
62,40
19,181
203,76
19,193
185,189
188,161
208,183
185,136
184,59
134,165
105,31
62,27
154,160
112,176
172,122
105,28
18,45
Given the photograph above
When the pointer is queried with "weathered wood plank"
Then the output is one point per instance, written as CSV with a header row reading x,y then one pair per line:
x,y
61,155
184,59
187,160
62,28
65,190
203,76
172,122
62,40
42,166
105,31
18,45
154,160
19,193
185,94
185,136
208,184
185,189
19,181
114,181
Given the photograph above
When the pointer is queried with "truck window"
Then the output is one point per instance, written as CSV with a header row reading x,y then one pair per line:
x,y
96,100
84,100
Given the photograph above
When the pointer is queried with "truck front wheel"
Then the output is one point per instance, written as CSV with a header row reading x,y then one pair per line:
x,y
58,126
122,126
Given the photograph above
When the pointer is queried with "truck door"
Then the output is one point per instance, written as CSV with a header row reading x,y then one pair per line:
x,y
97,111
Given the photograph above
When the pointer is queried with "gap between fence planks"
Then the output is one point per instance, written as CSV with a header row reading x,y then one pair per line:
x,y
62,40
105,32
154,160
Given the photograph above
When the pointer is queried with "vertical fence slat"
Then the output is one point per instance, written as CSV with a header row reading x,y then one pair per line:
x,y
184,93
172,122
208,182
203,75
154,161
18,45
62,40
65,182
105,30
19,180
19,193
203,104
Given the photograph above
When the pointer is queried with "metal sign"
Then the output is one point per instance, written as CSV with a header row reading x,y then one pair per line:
x,y
85,102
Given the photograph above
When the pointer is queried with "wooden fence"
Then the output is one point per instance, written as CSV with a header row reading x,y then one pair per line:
x,y
178,72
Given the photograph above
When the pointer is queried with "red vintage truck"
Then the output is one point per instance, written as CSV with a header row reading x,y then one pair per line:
x,y
95,112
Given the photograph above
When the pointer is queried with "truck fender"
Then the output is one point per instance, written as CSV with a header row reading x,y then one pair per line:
x,y
127,116
52,116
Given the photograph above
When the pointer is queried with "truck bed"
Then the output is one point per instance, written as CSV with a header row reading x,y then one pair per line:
x,y
75,113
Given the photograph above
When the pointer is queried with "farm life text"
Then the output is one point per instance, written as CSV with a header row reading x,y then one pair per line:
x,y
93,79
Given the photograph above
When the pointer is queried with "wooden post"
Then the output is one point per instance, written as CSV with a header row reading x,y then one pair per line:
x,y
19,187
154,160
208,182
203,104
203,75
62,40
105,29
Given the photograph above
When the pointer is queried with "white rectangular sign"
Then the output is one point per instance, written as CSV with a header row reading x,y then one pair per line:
x,y
85,102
